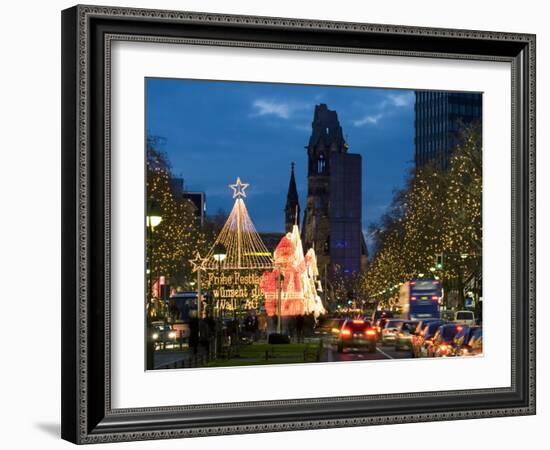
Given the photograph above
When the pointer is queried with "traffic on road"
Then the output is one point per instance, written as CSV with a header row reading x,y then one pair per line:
x,y
386,337
418,328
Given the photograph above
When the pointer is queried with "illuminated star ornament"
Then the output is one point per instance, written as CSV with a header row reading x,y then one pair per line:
x,y
197,262
238,188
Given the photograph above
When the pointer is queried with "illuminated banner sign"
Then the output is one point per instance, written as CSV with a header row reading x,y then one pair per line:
x,y
235,289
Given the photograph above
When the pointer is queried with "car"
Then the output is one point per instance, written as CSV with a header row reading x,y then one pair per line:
x,y
162,334
460,341
329,328
465,318
379,319
442,343
426,337
357,333
476,343
417,337
404,335
389,331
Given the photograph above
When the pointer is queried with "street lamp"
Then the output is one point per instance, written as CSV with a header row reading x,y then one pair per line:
x,y
152,220
279,282
220,253
154,217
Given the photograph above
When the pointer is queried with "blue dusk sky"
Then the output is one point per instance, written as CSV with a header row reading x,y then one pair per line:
x,y
215,131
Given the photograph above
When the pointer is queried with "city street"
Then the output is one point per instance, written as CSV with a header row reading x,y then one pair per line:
x,y
361,354
249,291
178,359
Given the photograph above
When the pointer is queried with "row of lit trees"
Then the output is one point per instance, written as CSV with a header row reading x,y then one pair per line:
x,y
438,212
177,238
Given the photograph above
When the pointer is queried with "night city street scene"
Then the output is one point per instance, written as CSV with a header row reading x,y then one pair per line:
x,y
300,224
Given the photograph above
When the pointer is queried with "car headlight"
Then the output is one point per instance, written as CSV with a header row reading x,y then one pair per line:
x,y
172,335
155,336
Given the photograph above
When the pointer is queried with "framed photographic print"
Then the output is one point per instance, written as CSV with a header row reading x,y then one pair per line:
x,y
283,224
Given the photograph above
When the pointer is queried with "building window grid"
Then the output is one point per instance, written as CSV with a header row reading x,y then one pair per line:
x,y
436,121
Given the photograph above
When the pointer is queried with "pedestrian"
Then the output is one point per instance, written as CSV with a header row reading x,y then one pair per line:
x,y
256,327
203,334
300,328
211,335
262,324
233,330
194,334
173,311
308,324
251,324
291,326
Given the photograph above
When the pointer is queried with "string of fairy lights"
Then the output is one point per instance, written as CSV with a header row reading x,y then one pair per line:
x,y
243,245
439,212
179,236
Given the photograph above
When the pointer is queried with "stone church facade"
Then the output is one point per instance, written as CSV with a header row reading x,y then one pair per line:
x,y
332,216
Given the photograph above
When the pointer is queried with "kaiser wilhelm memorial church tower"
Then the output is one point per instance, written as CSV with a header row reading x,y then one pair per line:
x,y
332,216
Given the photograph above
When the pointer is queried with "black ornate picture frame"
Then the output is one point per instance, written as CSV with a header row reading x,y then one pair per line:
x,y
87,35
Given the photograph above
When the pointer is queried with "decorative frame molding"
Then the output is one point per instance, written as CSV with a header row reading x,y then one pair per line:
x,y
87,35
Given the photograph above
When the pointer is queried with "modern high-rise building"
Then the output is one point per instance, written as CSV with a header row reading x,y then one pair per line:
x,y
332,217
439,117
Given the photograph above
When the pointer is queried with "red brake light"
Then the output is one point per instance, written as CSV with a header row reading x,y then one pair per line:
x,y
358,321
413,297
459,328
370,332
435,297
412,283
345,332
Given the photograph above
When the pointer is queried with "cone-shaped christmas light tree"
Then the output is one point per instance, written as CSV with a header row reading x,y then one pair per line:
x,y
244,247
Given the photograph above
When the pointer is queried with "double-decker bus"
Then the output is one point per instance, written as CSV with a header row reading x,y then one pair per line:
x,y
419,299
